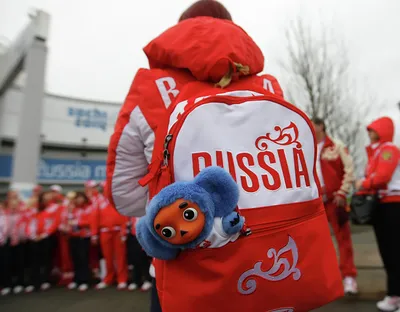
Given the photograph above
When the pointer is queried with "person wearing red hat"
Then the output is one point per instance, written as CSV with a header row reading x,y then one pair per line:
x,y
207,59
382,176
172,66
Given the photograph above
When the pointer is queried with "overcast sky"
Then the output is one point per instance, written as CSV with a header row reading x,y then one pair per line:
x,y
96,45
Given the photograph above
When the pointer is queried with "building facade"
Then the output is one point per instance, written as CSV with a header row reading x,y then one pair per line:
x,y
75,135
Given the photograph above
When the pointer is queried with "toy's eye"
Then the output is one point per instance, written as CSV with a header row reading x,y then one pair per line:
x,y
168,232
190,214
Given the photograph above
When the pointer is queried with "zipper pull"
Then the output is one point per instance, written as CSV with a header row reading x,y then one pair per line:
x,y
166,153
168,139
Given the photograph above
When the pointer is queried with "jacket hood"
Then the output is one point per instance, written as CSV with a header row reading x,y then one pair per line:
x,y
384,127
208,47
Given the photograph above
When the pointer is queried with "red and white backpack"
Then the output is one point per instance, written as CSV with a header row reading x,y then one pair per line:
x,y
288,263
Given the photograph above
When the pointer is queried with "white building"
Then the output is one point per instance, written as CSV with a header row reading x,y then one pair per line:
x,y
75,135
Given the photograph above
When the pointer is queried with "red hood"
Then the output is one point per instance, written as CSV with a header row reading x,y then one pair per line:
x,y
384,127
206,46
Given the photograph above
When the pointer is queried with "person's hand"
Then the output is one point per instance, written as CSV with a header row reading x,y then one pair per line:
x,y
359,184
123,238
342,216
340,201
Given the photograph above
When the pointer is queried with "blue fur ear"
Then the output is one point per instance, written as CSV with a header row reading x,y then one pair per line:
x,y
151,245
222,188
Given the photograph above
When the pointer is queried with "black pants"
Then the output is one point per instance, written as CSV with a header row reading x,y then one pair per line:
x,y
18,264
79,249
386,226
140,261
5,266
41,261
155,301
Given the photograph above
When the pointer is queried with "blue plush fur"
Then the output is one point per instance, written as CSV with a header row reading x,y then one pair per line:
x,y
216,194
232,223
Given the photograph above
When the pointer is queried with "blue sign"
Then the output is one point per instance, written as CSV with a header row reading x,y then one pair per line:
x,y
52,169
89,118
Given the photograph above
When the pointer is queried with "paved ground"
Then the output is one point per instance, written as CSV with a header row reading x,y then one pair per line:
x,y
61,300
371,281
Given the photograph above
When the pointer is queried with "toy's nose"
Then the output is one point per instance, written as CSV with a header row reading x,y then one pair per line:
x,y
183,233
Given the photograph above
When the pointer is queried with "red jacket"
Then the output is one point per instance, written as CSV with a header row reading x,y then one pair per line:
x,y
4,226
22,218
105,218
44,222
79,221
337,168
382,173
195,49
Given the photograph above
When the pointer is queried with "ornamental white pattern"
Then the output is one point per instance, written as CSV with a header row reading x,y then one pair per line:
x,y
288,269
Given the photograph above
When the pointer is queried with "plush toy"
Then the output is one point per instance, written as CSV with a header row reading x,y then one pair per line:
x,y
196,214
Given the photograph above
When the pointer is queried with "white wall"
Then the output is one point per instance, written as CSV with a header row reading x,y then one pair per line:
x,y
65,120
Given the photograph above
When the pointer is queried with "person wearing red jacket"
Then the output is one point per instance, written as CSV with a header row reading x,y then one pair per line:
x,y
336,174
65,260
5,259
174,63
139,259
92,192
112,229
78,227
18,220
30,211
40,230
382,176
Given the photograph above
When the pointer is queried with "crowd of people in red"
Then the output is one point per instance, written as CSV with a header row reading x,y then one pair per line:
x,y
72,240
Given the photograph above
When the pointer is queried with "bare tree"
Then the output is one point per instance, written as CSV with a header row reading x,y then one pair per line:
x,y
318,66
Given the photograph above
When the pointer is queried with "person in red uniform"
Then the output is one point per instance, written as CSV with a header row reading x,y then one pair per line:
x,y
92,192
5,259
336,174
139,259
30,211
18,221
40,230
154,89
65,260
112,230
382,176
78,227
59,261
12,205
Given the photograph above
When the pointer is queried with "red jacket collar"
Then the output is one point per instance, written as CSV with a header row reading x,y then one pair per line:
x,y
372,148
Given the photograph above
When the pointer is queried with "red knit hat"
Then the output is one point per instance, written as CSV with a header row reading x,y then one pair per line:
x,y
211,8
